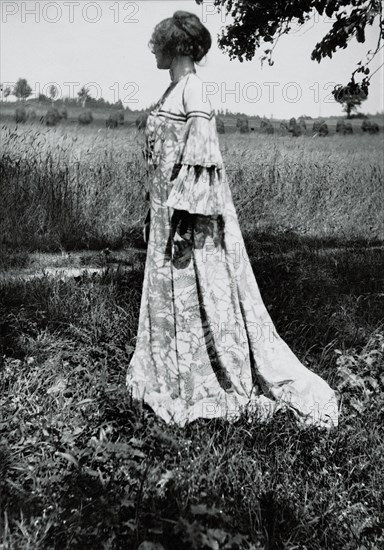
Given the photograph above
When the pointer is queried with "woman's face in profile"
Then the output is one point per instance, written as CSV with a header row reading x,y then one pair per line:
x,y
163,61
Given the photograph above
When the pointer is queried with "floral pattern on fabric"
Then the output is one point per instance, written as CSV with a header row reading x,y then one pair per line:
x,y
206,345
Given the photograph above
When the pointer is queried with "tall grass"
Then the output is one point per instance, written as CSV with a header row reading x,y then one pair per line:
x,y
324,187
72,187
69,190
84,467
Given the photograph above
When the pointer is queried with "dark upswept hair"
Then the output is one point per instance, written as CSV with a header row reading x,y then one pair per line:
x,y
181,34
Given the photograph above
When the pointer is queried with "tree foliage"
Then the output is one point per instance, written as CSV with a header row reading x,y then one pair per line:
x,y
257,22
53,92
84,95
7,92
22,89
349,97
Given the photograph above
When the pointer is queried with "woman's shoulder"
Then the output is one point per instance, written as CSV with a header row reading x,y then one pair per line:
x,y
195,94
193,81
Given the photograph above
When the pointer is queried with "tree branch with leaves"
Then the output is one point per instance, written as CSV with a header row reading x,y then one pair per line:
x,y
262,22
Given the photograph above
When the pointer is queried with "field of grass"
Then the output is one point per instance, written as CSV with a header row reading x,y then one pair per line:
x,y
55,183
84,467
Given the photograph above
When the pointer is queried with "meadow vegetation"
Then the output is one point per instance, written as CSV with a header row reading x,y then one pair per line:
x,y
57,182
82,466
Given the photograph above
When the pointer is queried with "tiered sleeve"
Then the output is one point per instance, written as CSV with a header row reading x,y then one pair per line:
x,y
197,183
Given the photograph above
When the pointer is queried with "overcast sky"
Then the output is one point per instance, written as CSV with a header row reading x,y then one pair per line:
x,y
104,45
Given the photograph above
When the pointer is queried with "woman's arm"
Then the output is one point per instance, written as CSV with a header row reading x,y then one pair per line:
x,y
197,172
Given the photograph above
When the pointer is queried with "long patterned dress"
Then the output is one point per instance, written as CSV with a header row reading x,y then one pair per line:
x,y
206,345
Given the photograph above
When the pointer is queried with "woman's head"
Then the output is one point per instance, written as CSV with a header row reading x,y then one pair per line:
x,y
183,34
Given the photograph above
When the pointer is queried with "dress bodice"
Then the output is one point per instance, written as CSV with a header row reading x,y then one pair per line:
x,y
182,148
181,128
156,124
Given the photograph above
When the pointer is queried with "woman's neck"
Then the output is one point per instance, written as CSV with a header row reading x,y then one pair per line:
x,y
181,66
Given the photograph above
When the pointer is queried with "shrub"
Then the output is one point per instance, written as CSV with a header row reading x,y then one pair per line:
x,y
320,127
242,125
370,127
266,127
63,113
120,117
323,130
52,117
294,129
112,121
316,125
85,117
344,128
302,124
220,126
43,98
20,115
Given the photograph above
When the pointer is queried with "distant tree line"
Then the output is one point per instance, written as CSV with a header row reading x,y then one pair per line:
x,y
57,111
22,91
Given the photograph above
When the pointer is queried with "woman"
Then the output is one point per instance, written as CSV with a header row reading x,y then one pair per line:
x,y
206,345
